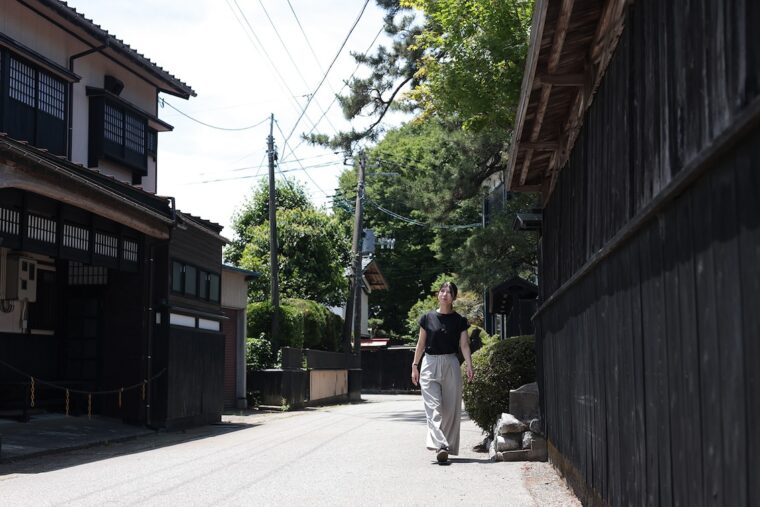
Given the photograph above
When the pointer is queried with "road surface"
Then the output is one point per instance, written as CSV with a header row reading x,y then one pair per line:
x,y
370,453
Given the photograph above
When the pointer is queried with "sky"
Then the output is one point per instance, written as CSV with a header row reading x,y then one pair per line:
x,y
243,70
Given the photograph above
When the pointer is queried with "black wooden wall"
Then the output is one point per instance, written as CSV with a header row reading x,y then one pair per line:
x,y
650,278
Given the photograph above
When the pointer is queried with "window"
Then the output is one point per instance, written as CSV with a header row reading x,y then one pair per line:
x,y
191,280
32,103
214,289
203,284
118,133
194,282
152,143
178,270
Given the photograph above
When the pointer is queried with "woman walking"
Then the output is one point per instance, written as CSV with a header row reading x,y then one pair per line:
x,y
438,373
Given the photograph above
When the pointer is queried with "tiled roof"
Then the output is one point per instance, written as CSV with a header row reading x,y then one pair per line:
x,y
178,87
131,192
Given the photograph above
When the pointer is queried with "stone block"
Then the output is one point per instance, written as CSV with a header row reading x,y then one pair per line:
x,y
523,402
508,423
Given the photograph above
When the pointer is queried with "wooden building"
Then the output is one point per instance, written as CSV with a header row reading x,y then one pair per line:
x,y
639,123
110,298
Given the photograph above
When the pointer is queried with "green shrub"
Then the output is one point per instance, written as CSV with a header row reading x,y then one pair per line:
x,y
303,324
258,353
499,367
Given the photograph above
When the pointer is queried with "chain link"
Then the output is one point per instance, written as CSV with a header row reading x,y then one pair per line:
x,y
89,406
31,394
67,401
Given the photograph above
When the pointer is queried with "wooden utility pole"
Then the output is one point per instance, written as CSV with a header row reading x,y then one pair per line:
x,y
353,304
274,268
357,251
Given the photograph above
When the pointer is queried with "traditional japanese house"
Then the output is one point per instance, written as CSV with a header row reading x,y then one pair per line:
x,y
639,124
109,296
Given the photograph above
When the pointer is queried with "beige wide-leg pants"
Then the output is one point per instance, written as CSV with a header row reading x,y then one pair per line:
x,y
441,383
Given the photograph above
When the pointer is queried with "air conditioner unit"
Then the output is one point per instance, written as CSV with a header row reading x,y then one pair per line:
x,y
21,279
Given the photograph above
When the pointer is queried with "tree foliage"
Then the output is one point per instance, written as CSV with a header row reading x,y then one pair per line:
x,y
458,65
255,211
313,249
473,53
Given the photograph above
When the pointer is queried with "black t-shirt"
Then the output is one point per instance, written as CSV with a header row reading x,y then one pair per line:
x,y
442,331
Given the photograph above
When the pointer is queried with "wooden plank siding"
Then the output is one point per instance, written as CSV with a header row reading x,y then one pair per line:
x,y
650,384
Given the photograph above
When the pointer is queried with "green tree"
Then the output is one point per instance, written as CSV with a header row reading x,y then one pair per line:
x,y
498,252
472,63
313,248
255,211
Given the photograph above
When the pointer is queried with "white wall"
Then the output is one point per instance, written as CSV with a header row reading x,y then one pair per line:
x,y
234,290
36,33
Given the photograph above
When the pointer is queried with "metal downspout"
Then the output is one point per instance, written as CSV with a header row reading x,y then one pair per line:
x,y
70,126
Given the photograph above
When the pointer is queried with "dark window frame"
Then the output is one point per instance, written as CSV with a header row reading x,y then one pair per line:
x,y
207,284
34,104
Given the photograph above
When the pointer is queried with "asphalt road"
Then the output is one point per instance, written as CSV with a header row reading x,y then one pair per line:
x,y
371,453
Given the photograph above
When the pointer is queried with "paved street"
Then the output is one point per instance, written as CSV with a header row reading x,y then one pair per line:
x,y
370,453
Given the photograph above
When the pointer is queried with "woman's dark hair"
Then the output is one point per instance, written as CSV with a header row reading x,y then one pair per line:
x,y
452,288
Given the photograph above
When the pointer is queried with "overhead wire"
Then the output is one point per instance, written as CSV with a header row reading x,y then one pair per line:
x,y
335,97
324,77
164,102
262,49
299,163
287,52
417,222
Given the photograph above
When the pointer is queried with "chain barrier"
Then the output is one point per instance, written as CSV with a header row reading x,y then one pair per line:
x,y
34,382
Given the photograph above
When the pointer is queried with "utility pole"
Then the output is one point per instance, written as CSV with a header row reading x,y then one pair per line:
x,y
274,268
353,305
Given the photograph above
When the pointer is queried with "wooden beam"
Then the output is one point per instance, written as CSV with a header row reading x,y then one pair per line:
x,y
540,145
560,80
560,33
608,30
534,49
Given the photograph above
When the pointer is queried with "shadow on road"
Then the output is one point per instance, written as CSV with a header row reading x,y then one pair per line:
x,y
89,453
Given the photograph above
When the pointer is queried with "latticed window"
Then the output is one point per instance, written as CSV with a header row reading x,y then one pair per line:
x,y
22,82
41,229
134,138
113,124
130,250
52,96
81,274
76,237
9,221
106,245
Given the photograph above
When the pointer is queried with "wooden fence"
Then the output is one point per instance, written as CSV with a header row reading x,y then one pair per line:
x,y
648,331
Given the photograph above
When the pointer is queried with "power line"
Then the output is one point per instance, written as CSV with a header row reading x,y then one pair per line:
x,y
164,102
335,96
303,112
417,222
287,52
262,164
263,50
299,163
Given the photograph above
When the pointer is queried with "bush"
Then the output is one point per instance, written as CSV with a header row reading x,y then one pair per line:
x,y
499,367
303,324
258,353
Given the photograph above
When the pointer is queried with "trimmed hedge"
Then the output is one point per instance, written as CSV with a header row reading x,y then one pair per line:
x,y
499,367
303,324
